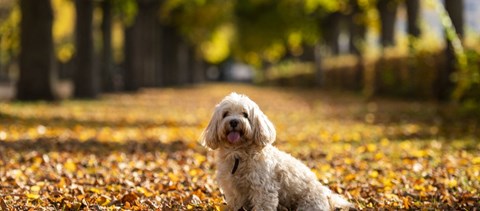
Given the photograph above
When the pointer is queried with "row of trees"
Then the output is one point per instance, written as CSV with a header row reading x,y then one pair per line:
x,y
167,42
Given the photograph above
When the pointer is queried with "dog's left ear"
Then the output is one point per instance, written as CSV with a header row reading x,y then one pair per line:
x,y
209,137
263,130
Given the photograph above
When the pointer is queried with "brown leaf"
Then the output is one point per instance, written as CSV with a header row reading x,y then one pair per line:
x,y
129,198
3,205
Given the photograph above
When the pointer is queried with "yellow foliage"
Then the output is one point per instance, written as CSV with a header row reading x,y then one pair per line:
x,y
64,17
312,5
218,47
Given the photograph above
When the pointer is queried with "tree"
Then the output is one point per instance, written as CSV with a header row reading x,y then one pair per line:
x,y
37,75
413,11
388,16
107,63
86,83
196,64
454,9
333,23
171,56
142,58
130,79
357,27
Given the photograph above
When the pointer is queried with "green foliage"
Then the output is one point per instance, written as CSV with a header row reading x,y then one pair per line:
x,y
204,23
464,75
267,29
196,20
10,35
217,48
312,5
125,10
251,30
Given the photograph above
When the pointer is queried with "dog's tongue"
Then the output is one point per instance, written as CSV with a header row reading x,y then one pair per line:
x,y
233,137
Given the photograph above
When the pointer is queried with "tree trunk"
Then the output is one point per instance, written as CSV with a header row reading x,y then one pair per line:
x,y
388,15
196,65
184,68
357,36
413,12
145,42
143,45
445,84
332,23
308,54
356,27
107,63
85,77
37,75
170,51
131,76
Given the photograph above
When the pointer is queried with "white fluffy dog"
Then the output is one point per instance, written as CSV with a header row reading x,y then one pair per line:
x,y
253,174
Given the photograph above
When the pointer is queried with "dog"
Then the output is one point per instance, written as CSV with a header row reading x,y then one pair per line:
x,y
251,172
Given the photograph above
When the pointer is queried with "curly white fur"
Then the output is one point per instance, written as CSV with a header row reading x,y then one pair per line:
x,y
266,178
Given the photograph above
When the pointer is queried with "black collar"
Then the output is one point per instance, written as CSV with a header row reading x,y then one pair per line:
x,y
235,165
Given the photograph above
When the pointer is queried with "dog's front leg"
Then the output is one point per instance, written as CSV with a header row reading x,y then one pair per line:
x,y
235,201
264,198
235,204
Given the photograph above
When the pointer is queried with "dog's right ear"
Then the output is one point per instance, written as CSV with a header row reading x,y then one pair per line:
x,y
210,137
263,130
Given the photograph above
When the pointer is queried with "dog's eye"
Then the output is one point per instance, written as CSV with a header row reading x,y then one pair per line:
x,y
245,115
225,114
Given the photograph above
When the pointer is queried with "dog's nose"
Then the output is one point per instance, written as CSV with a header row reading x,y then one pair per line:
x,y
233,123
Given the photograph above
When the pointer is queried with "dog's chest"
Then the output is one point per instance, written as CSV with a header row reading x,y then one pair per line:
x,y
244,175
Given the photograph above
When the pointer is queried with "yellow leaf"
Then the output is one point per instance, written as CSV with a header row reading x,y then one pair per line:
x,y
419,187
193,172
391,196
95,190
361,149
350,177
384,142
70,166
406,202
144,191
348,161
173,177
476,160
103,200
325,167
371,147
378,156
199,158
451,183
336,137
32,196
35,189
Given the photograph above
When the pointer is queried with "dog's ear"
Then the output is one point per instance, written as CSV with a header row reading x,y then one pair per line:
x,y
210,137
263,130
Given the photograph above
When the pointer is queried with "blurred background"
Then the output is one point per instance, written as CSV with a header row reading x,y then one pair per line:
x,y
56,49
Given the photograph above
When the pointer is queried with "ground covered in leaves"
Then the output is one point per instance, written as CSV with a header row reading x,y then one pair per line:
x,y
140,151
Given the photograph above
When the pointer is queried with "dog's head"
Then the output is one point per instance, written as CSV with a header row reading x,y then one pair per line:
x,y
237,120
